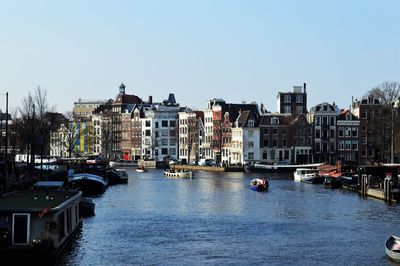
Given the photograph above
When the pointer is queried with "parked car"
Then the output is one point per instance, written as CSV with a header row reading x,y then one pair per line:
x,y
207,162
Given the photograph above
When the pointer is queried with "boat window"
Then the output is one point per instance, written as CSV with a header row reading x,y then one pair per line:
x,y
21,229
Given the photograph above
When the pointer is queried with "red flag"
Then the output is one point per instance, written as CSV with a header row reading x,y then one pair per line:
x,y
43,212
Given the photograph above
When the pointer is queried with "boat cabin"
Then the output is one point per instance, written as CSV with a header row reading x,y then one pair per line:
x,y
38,223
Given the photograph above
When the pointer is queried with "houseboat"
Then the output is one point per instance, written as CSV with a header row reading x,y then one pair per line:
x,y
38,223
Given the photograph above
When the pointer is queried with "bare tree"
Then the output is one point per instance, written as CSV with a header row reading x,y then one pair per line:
x,y
387,121
387,92
106,136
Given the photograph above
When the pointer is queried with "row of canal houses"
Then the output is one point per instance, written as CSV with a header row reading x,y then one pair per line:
x,y
129,128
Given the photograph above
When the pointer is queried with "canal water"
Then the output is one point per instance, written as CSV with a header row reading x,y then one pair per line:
x,y
216,219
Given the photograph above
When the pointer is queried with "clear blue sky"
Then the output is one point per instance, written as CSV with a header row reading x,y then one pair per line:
x,y
235,50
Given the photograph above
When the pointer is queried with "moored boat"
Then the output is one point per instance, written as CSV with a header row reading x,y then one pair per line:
x,y
141,169
38,223
258,184
89,184
178,174
392,248
308,175
123,175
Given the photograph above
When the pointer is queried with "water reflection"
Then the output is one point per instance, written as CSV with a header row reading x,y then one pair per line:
x,y
215,218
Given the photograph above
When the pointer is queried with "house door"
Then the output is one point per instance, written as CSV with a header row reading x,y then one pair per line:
x,y
21,228
280,156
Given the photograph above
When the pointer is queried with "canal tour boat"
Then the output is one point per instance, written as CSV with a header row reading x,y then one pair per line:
x,y
38,223
258,184
392,248
178,174
89,184
308,175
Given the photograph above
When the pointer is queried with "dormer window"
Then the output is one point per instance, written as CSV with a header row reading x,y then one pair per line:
x,y
251,123
274,121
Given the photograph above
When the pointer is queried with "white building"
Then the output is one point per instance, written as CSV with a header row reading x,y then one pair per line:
x,y
245,139
159,131
190,135
59,142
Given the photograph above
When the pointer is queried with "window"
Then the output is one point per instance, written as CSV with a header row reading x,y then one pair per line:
x,y
332,120
299,109
21,228
272,154
172,133
275,130
341,145
355,146
164,151
274,121
283,131
172,151
251,123
324,121
287,109
265,155
172,123
318,121
274,142
299,98
148,124
364,114
164,123
347,144
147,133
172,142
332,133
317,133
265,131
287,99
354,132
286,156
164,142
250,156
164,133
340,132
266,143
250,144
250,133
156,124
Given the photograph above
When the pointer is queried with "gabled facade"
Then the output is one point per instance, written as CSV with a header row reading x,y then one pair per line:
x,y
371,133
160,131
347,137
323,119
189,135
302,140
122,103
245,146
275,138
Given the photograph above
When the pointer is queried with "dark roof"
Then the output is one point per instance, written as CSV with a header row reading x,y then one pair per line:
x,y
127,99
266,120
234,109
104,107
34,200
343,113
56,120
244,118
301,118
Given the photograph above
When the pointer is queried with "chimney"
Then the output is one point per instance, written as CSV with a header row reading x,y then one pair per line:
x,y
305,87
150,99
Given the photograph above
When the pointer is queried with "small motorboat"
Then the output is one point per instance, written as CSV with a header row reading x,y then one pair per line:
x,y
258,184
392,248
141,169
